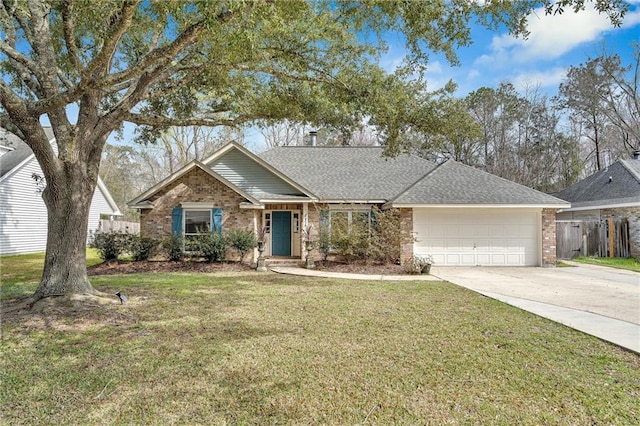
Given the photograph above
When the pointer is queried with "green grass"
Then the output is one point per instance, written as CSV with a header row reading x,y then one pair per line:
x,y
630,263
20,274
271,349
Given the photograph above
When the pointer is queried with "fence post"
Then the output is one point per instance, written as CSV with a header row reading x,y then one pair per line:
x,y
611,237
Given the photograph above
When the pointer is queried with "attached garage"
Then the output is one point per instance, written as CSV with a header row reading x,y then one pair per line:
x,y
478,236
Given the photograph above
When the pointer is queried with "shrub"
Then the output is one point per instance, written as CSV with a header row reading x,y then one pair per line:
x,y
142,248
350,240
387,237
173,247
416,263
213,246
109,245
242,240
324,244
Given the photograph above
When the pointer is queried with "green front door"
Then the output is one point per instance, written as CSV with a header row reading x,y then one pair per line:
x,y
281,234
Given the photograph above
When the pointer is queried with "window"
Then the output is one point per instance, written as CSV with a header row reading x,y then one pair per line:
x,y
342,223
296,223
197,222
346,218
267,223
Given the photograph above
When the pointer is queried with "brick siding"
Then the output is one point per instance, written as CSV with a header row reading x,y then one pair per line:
x,y
406,223
549,237
195,186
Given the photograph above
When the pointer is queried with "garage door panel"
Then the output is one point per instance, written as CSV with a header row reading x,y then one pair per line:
x,y
451,245
478,236
472,230
468,259
451,231
513,259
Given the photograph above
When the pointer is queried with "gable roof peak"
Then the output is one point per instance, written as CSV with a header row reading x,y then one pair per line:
x,y
633,166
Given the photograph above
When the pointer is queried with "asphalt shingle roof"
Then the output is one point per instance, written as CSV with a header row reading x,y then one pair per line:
x,y
618,183
455,183
348,173
20,152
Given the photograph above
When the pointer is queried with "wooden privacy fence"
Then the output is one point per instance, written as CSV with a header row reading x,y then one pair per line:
x,y
607,237
108,226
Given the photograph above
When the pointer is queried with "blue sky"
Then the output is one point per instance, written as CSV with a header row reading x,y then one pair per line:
x,y
555,44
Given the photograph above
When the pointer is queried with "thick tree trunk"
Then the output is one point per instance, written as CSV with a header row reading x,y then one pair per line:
x,y
68,203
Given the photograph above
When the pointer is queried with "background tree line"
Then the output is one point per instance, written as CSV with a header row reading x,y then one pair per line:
x,y
546,143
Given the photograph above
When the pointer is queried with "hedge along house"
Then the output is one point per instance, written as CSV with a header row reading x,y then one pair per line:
x,y
457,214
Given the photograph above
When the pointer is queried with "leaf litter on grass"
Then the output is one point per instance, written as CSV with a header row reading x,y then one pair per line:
x,y
257,349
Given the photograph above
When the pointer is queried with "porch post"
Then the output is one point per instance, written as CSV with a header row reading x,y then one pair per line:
x,y
305,215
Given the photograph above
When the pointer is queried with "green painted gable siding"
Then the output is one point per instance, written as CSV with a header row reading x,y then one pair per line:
x,y
250,176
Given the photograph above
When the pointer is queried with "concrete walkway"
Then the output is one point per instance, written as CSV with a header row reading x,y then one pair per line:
x,y
342,275
603,302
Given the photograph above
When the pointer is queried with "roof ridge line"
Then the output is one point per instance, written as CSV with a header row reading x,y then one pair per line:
x,y
634,173
420,179
326,146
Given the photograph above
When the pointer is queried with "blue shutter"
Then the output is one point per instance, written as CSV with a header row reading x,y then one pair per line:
x,y
373,219
324,221
216,214
176,221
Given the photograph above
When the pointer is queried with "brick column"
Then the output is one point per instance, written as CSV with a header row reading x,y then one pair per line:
x,y
549,237
406,230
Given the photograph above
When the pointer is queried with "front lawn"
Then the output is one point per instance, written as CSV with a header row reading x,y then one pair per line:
x,y
20,274
630,263
252,348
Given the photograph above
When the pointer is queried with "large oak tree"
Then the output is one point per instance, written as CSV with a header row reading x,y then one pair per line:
x,y
85,67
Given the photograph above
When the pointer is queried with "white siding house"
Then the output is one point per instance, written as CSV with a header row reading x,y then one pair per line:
x,y
23,215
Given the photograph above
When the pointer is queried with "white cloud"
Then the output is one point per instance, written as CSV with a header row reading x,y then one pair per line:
x,y
546,78
631,18
434,67
437,75
551,36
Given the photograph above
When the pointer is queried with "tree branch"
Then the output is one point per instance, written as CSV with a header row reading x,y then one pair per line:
x,y
118,29
68,31
43,47
162,121
28,128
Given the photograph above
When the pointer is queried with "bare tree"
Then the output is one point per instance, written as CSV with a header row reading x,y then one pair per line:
x,y
623,100
284,133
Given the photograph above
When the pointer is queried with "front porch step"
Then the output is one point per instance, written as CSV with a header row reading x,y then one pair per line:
x,y
283,262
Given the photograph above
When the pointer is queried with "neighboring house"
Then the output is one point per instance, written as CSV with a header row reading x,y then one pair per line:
x,y
23,214
610,192
459,215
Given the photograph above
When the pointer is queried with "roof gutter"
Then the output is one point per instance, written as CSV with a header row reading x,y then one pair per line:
x,y
479,206
601,206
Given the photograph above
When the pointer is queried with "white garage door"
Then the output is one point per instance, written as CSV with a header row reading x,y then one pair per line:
x,y
470,237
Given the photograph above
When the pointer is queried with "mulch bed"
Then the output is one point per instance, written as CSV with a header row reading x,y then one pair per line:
x,y
153,266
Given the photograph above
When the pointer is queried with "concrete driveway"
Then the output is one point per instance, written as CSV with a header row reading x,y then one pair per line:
x,y
604,302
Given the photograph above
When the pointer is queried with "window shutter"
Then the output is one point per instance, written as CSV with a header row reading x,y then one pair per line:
x,y
324,221
373,219
216,214
176,221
